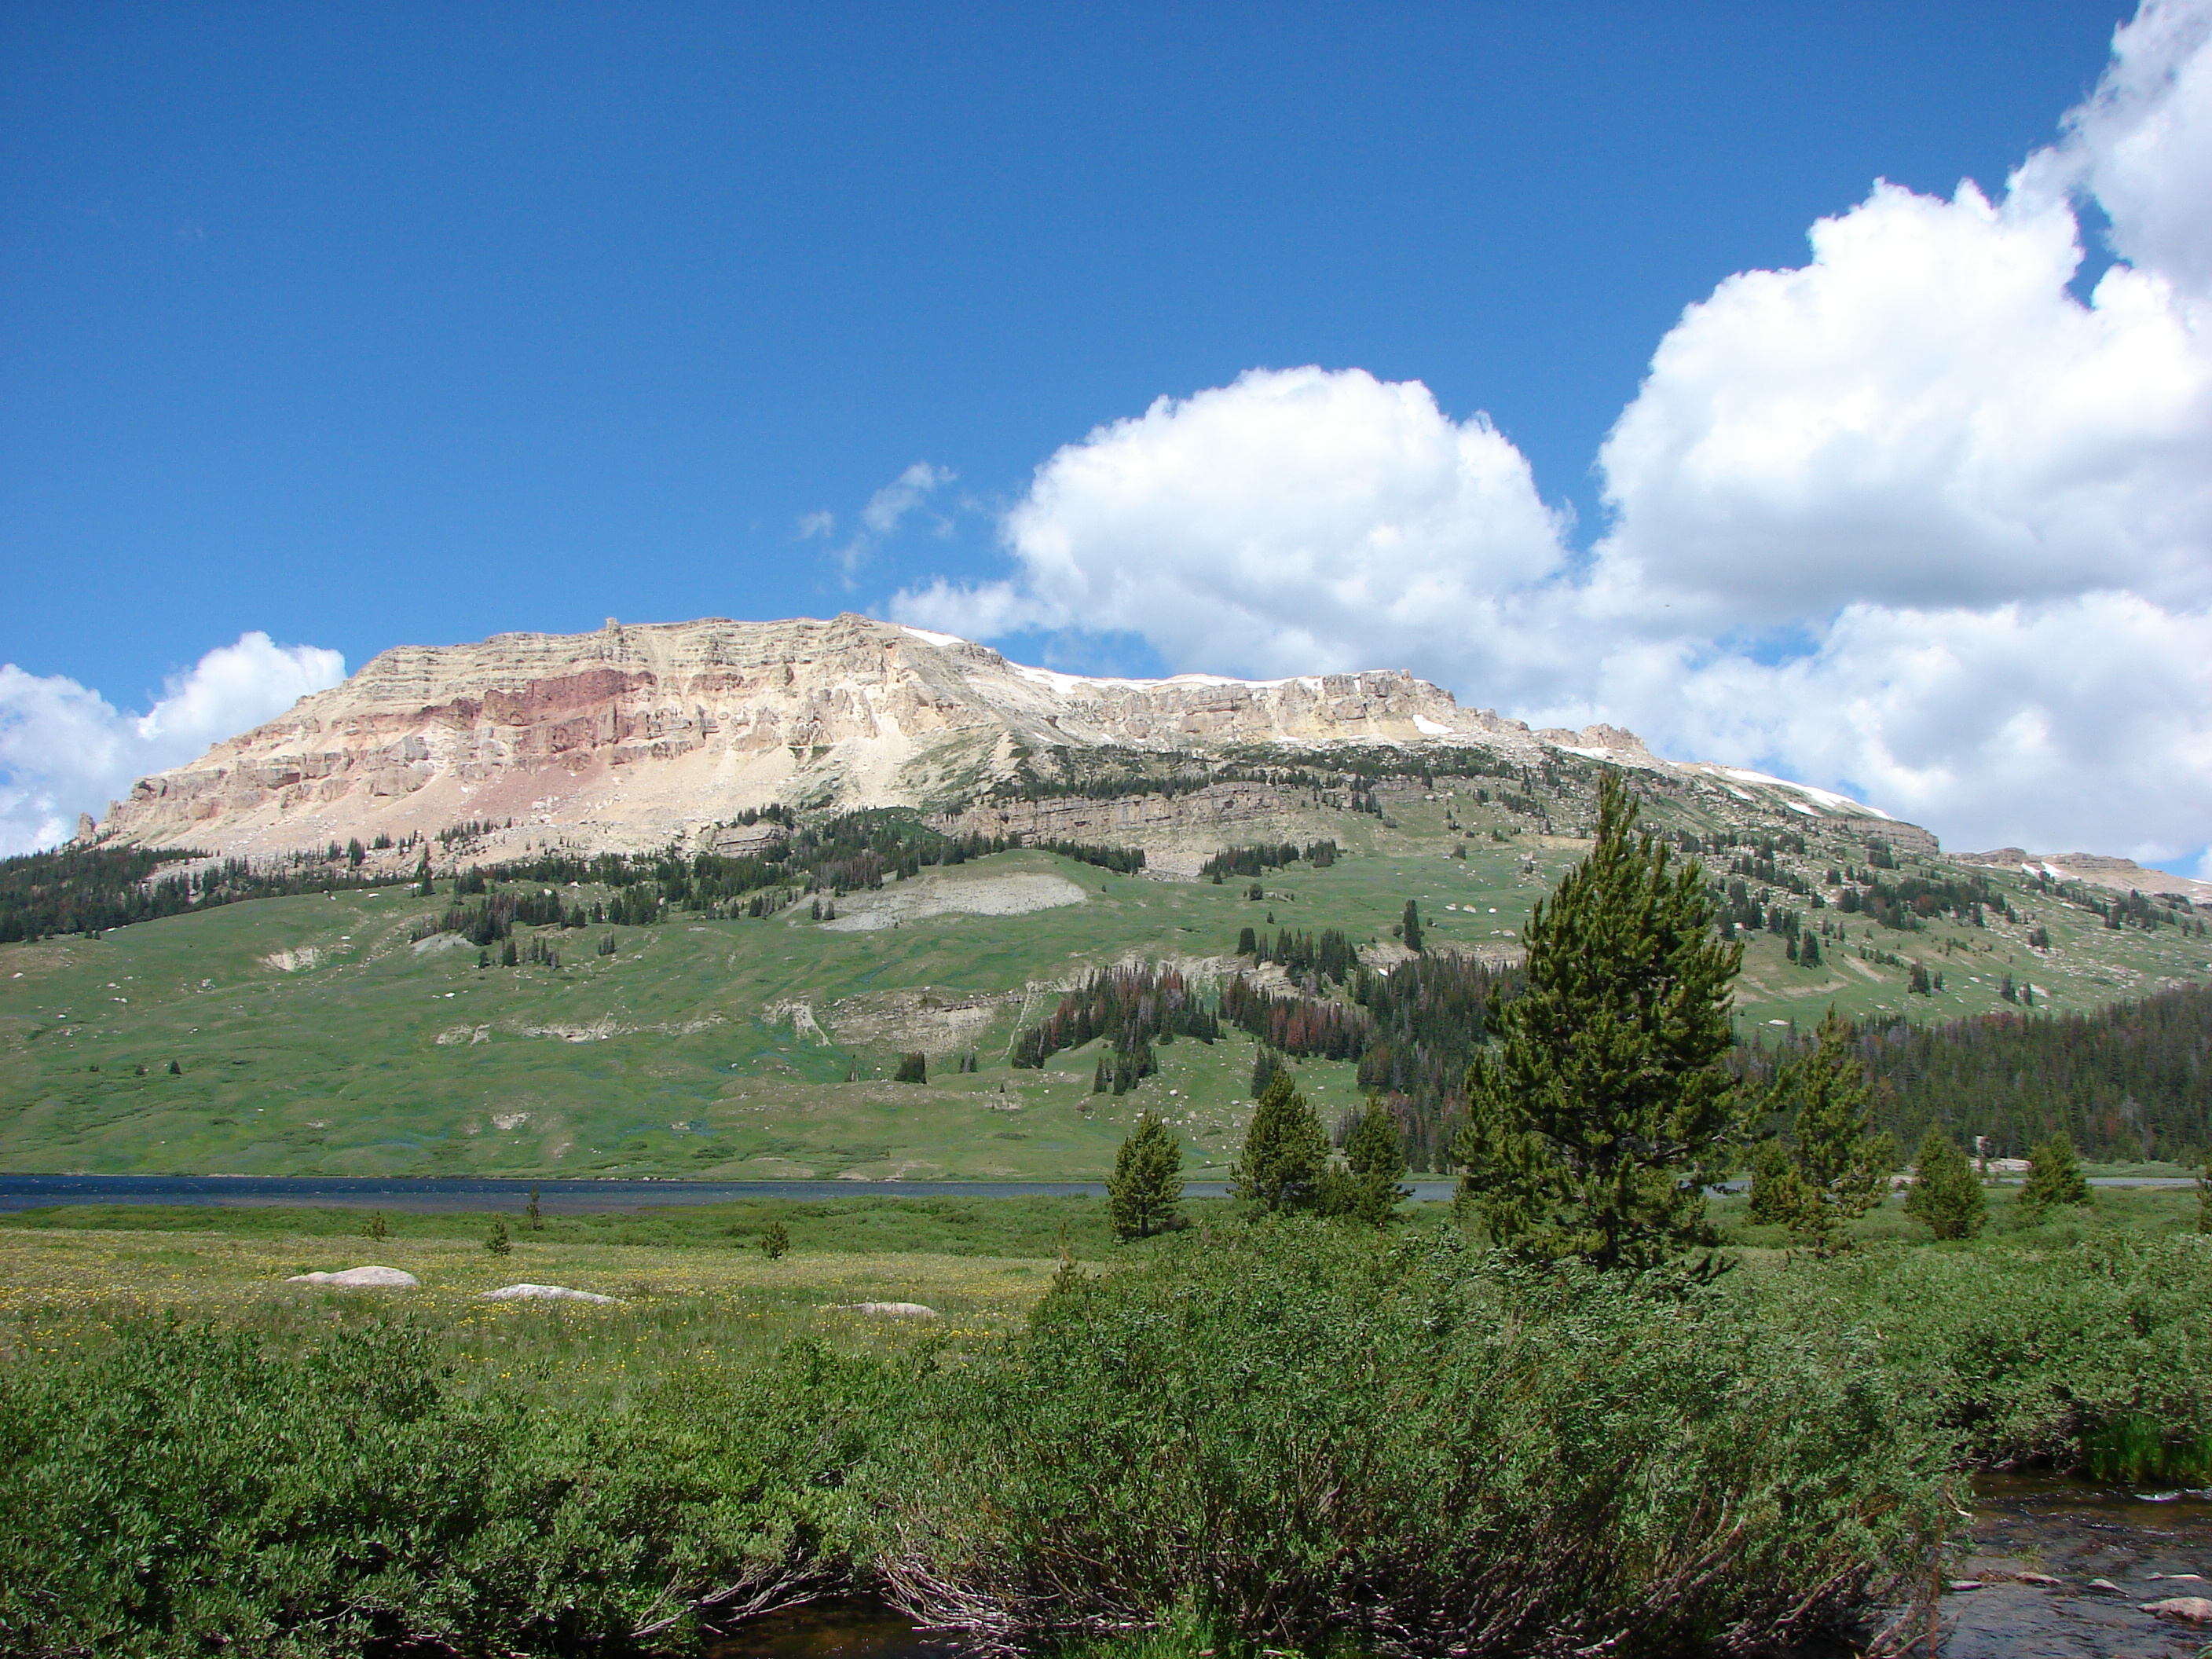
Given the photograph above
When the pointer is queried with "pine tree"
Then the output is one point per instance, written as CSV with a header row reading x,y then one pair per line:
x,y
1366,1189
1267,1066
1285,1151
1777,1191
499,1243
2054,1176
537,1216
1602,1114
1147,1185
1842,1164
377,1228
1411,928
1945,1192
775,1240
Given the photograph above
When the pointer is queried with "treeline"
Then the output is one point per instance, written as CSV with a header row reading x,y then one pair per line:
x,y
1297,1025
852,852
87,890
1312,963
2133,1080
1429,1016
1255,860
1134,1006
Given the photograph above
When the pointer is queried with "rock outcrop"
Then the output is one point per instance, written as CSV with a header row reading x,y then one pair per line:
x,y
632,737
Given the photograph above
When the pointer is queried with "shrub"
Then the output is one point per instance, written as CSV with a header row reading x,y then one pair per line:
x,y
185,1492
912,1068
1308,1440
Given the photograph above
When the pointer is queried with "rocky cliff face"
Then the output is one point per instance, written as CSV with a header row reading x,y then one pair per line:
x,y
626,738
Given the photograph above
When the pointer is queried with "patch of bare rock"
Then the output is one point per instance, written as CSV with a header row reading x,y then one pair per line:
x,y
388,1278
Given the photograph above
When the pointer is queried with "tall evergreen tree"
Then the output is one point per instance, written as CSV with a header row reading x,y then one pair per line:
x,y
1411,927
1285,1151
1777,1191
1147,1185
1366,1189
1842,1164
1945,1192
1601,1114
2054,1176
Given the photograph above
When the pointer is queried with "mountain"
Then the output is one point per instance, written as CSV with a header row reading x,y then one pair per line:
x,y
541,1014
635,737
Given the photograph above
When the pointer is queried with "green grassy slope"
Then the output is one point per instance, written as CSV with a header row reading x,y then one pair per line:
x,y
312,1038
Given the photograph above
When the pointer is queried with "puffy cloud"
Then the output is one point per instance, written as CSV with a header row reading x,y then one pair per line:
x,y
1296,520
1923,415
2081,724
1914,519
2141,144
65,750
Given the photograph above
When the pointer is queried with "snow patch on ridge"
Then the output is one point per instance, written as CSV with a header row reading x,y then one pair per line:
x,y
1826,797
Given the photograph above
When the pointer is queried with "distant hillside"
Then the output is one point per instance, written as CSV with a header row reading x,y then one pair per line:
x,y
2128,1082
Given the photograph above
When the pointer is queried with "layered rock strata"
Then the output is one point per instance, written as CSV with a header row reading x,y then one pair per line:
x,y
631,736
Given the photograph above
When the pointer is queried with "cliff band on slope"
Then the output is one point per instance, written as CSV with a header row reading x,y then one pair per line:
x,y
634,737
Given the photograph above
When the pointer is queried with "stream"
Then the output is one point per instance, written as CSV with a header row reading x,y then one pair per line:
x,y
2062,1528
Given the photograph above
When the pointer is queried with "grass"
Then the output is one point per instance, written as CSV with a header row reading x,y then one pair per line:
x,y
1335,1423
356,1055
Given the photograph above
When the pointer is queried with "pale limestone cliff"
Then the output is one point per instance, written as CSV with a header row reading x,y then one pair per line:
x,y
630,737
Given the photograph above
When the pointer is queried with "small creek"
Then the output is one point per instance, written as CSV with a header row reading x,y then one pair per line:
x,y
2063,1529
2076,1532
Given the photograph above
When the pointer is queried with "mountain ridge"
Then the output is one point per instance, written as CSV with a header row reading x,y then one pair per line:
x,y
640,735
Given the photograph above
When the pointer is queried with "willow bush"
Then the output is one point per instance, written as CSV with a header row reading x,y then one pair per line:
x,y
1303,1435
186,1492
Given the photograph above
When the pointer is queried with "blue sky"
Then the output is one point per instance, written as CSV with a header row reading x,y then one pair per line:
x,y
362,326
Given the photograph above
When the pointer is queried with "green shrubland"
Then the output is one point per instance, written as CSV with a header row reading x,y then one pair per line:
x,y
1286,1432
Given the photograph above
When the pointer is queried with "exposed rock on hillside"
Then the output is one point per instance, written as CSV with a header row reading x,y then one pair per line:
x,y
2095,870
633,736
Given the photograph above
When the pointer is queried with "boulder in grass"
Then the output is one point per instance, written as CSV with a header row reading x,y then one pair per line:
x,y
542,1293
2189,1609
389,1279
890,1309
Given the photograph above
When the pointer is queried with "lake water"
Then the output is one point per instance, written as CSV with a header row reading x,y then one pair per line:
x,y
427,1195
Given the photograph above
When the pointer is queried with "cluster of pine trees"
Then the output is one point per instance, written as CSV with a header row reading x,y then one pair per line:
x,y
1312,961
88,890
1430,1016
1297,1024
1135,1005
1257,861
1285,1167
2132,1081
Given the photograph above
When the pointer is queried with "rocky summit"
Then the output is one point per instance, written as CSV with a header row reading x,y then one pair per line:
x,y
635,737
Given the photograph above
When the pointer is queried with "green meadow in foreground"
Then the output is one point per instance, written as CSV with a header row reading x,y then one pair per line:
x,y
1350,1437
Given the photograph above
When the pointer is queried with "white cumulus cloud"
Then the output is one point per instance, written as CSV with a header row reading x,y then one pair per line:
x,y
1914,519
1300,519
65,750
